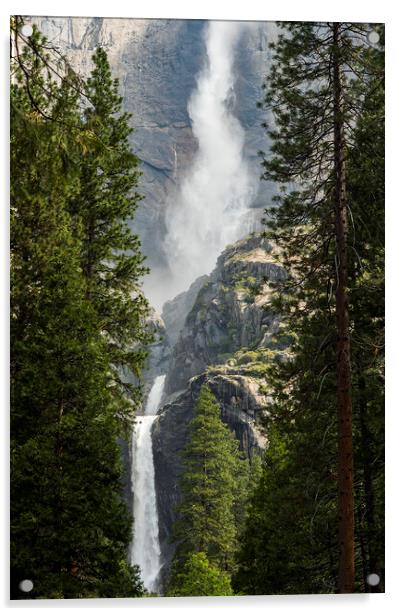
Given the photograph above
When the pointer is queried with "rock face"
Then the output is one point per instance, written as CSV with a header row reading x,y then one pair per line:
x,y
226,341
228,312
157,62
158,352
176,310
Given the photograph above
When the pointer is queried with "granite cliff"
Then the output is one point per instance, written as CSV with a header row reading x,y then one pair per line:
x,y
225,341
157,62
228,313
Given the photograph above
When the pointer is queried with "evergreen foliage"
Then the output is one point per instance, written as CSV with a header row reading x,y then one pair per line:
x,y
70,528
208,486
291,543
214,490
200,578
110,255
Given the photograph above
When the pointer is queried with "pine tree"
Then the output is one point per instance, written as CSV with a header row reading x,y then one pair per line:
x,y
366,190
200,578
69,525
315,88
111,259
209,488
289,544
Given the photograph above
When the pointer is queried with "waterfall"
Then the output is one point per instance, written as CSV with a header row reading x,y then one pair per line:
x,y
145,546
213,199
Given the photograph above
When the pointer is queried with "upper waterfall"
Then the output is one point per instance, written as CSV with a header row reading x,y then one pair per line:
x,y
209,211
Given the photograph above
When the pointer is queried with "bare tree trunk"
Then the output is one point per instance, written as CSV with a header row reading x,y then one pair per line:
x,y
346,578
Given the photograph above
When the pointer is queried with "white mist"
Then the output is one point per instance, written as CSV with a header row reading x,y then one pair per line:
x,y
209,211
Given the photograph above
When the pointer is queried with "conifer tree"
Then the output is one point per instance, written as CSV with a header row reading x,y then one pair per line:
x,y
315,91
290,541
366,190
200,578
209,491
111,259
69,525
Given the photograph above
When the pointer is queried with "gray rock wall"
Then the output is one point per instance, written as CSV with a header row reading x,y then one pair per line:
x,y
175,311
226,316
157,62
224,321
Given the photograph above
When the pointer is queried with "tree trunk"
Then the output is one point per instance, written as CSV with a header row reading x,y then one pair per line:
x,y
346,576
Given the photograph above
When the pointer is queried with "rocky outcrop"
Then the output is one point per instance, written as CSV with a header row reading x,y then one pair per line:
x,y
229,312
158,351
227,341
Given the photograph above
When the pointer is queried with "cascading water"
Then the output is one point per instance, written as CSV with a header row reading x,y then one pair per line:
x,y
208,213
212,204
145,546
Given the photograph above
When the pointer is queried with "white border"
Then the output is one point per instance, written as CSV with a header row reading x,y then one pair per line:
x,y
368,10
210,9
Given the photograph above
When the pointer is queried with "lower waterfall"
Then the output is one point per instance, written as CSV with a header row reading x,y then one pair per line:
x,y
145,545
